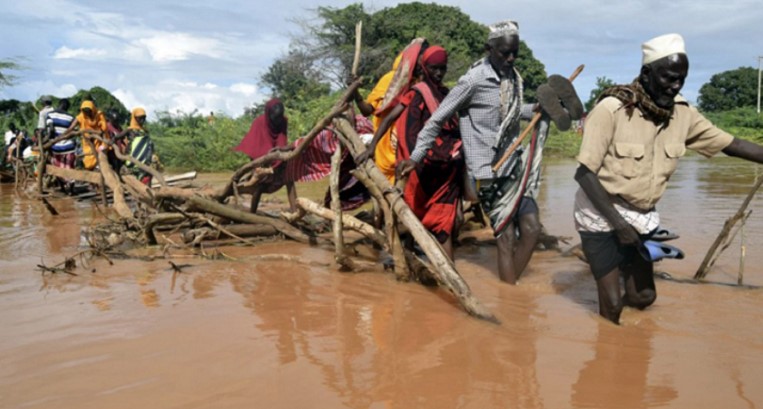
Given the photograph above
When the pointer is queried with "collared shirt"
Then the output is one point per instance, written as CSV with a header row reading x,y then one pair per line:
x,y
476,99
43,115
634,158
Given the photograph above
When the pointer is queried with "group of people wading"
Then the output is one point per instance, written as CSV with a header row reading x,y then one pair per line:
x,y
75,140
458,145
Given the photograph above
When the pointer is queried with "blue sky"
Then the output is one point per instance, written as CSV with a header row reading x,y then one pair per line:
x,y
210,55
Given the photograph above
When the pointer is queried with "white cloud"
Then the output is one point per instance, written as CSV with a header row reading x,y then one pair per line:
x,y
166,47
78,53
244,89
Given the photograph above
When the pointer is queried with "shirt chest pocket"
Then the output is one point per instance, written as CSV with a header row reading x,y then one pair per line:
x,y
673,151
630,158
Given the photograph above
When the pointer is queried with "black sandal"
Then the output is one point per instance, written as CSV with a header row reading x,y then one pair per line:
x,y
566,92
550,103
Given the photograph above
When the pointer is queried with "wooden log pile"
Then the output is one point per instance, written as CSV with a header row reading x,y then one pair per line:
x,y
195,217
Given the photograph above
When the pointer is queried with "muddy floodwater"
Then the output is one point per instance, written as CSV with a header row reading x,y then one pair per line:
x,y
282,334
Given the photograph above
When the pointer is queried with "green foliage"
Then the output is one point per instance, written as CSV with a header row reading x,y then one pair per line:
x,y
187,141
293,79
729,90
744,123
22,114
103,100
329,44
602,83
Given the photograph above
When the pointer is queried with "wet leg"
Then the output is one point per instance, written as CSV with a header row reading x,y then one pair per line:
x,y
640,290
506,243
529,232
255,199
610,300
291,193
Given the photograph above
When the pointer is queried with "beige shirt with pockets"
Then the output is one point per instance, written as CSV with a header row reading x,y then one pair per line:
x,y
634,158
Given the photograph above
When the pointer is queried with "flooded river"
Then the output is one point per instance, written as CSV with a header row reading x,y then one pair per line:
x,y
280,334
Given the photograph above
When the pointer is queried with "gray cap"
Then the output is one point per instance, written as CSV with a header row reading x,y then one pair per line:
x,y
46,98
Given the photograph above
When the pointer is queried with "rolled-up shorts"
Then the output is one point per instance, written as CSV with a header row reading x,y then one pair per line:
x,y
605,253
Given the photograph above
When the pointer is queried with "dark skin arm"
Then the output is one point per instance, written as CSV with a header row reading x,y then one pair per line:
x,y
590,184
740,148
383,127
365,108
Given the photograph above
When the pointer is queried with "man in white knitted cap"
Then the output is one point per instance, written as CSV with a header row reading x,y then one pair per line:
x,y
488,101
632,141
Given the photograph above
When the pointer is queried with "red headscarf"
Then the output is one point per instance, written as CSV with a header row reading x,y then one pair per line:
x,y
434,55
263,135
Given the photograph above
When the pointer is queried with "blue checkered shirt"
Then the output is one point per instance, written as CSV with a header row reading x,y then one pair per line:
x,y
477,100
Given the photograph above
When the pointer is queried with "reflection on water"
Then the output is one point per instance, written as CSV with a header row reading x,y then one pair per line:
x,y
292,335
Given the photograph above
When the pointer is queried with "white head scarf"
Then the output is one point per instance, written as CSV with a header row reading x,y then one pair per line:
x,y
662,46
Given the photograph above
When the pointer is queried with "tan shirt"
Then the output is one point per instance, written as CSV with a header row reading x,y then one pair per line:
x,y
633,158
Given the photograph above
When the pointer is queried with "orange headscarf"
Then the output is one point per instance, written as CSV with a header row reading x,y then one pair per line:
x,y
134,124
95,123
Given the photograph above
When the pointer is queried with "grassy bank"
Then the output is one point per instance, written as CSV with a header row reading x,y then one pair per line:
x,y
192,143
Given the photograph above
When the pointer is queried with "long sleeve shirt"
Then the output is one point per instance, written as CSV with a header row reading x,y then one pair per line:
x,y
476,99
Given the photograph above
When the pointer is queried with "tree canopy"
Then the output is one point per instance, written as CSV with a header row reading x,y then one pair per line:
x,y
730,89
323,53
602,83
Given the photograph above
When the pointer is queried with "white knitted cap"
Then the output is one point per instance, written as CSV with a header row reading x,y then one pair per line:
x,y
503,29
662,46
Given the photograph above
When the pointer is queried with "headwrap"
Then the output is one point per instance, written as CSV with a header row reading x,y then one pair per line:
x,y
662,46
97,122
87,105
134,124
503,29
434,55
263,135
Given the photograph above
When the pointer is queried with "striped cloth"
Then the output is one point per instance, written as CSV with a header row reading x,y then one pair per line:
x,y
315,161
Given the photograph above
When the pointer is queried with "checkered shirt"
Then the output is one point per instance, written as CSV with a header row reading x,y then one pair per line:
x,y
477,101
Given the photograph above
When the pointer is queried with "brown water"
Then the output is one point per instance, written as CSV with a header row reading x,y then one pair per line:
x,y
242,334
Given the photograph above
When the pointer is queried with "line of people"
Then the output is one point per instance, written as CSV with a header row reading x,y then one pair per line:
x,y
72,150
450,144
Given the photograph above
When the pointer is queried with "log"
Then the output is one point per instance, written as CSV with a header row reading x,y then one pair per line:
x,y
240,230
709,259
111,180
444,269
76,174
128,158
40,166
395,247
211,206
348,221
336,207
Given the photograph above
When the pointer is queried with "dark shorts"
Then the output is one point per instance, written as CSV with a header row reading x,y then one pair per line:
x,y
605,253
527,205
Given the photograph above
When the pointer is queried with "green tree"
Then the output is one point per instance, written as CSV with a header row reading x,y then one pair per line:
x,y
729,89
293,78
602,83
329,41
103,100
6,79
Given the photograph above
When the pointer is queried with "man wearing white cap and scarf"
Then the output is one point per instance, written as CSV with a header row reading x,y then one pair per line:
x,y
632,141
489,105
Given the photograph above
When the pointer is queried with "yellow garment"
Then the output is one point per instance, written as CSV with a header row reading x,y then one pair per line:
x,y
385,153
96,123
134,124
